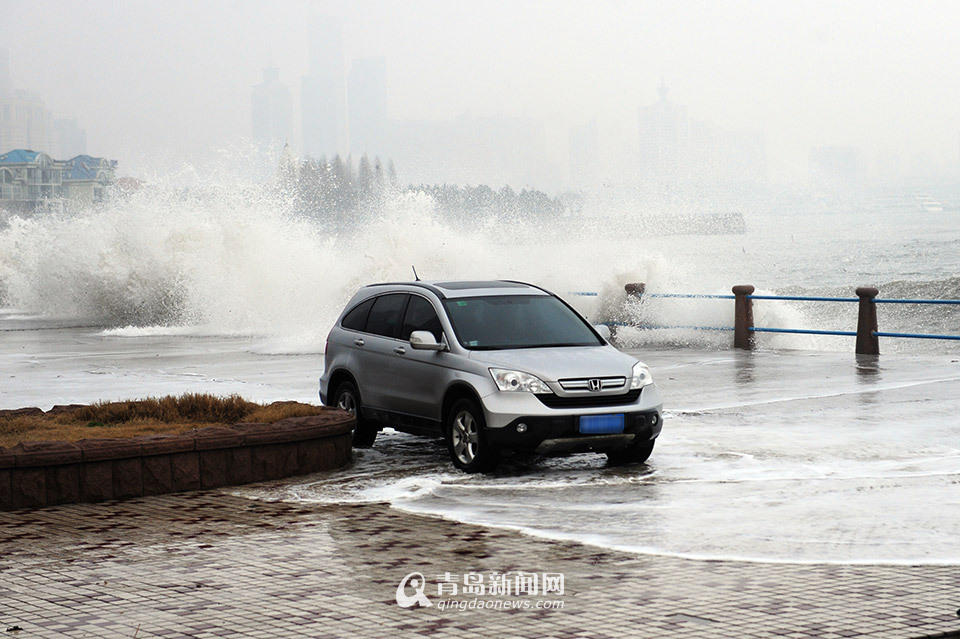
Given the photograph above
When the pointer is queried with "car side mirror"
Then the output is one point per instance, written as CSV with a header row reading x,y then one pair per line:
x,y
604,331
424,341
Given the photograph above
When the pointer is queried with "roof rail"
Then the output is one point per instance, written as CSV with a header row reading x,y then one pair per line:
x,y
433,289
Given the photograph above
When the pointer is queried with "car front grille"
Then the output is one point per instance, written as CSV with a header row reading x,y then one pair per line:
x,y
589,401
583,383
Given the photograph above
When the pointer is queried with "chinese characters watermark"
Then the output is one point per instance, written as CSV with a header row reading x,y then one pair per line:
x,y
483,590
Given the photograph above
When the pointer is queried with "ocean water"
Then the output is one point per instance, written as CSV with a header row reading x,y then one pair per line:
x,y
232,258
799,452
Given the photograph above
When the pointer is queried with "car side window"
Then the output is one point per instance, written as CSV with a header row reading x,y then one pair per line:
x,y
386,315
421,316
356,320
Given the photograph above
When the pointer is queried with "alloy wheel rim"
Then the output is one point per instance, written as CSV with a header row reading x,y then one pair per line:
x,y
466,437
347,403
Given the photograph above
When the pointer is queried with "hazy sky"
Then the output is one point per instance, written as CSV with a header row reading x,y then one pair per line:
x,y
171,78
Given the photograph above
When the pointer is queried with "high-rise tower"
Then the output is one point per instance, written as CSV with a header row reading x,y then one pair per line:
x,y
323,94
272,110
367,106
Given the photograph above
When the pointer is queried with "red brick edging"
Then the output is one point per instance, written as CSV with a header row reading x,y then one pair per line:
x,y
36,474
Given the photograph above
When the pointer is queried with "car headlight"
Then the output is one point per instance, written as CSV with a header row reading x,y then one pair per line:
x,y
641,376
518,381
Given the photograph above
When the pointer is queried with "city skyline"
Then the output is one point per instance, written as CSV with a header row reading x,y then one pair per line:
x,y
672,149
824,81
27,123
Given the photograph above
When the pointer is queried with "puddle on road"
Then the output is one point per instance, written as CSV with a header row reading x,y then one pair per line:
x,y
716,500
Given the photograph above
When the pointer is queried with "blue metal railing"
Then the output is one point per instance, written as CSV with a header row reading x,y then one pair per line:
x,y
692,296
915,335
796,298
802,298
672,326
699,328
891,300
802,331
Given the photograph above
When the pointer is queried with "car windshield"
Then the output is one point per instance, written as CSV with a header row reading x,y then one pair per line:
x,y
517,321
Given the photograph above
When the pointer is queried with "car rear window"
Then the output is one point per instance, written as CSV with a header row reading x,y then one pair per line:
x,y
356,319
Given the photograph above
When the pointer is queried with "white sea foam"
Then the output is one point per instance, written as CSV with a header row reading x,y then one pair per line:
x,y
206,251
227,257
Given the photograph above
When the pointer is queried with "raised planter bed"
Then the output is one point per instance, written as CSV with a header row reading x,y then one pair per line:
x,y
35,474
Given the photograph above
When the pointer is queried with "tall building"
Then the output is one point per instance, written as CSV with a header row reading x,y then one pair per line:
x,y
664,131
367,106
26,123
272,111
323,93
676,149
6,85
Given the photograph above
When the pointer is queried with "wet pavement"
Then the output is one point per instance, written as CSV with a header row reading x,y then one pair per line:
x,y
770,456
211,564
792,493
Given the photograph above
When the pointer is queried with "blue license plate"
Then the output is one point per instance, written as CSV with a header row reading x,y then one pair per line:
x,y
601,424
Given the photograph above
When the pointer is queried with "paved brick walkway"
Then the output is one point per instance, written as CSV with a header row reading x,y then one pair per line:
x,y
211,564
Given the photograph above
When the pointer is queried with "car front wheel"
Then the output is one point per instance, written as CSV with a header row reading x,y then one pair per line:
x,y
466,440
347,398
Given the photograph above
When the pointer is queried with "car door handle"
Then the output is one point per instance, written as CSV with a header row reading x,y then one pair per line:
x,y
358,342
399,350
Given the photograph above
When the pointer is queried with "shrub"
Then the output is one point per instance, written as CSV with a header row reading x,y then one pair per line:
x,y
144,417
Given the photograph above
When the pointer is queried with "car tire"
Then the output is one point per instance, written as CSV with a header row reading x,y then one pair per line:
x,y
347,397
635,453
467,443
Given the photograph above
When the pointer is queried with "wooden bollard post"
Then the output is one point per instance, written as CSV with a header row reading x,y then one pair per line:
x,y
867,342
743,317
635,288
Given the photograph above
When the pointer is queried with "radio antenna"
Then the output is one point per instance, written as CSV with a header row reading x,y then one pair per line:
x,y
415,276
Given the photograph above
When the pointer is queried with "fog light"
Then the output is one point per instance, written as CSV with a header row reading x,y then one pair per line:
x,y
521,427
654,418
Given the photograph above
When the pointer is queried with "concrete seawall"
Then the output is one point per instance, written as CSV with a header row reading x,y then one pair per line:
x,y
37,474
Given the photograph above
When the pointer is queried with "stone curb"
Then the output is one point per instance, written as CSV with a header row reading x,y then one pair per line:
x,y
37,474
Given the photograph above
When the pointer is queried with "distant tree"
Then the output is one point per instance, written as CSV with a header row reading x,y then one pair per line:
x,y
351,177
332,191
287,173
392,173
364,176
343,197
310,188
379,181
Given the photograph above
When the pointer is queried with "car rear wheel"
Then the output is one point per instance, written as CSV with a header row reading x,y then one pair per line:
x,y
636,453
467,442
347,398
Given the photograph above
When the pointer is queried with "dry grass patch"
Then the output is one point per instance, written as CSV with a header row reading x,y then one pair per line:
x,y
145,417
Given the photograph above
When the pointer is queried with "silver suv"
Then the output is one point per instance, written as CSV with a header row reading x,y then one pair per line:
x,y
489,366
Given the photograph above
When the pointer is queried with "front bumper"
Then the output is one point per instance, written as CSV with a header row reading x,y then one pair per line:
x,y
559,435
554,431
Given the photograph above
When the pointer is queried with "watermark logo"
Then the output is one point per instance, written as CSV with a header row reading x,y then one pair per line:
x,y
492,590
416,581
